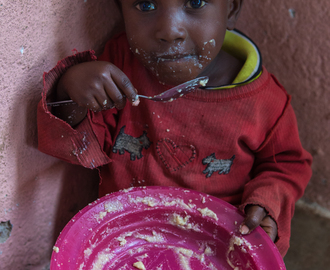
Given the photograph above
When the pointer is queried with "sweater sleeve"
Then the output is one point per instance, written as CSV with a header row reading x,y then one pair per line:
x,y
280,175
57,138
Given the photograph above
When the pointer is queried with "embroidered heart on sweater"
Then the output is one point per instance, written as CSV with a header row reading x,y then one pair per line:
x,y
175,156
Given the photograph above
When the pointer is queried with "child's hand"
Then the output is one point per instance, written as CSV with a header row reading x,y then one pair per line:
x,y
255,216
96,86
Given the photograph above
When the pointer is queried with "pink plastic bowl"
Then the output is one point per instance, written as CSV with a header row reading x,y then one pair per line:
x,y
162,228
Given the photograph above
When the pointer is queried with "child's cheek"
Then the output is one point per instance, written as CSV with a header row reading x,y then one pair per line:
x,y
208,51
138,50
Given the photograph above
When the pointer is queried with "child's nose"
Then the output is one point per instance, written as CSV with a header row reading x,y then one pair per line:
x,y
171,27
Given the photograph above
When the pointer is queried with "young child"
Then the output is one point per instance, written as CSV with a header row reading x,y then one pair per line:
x,y
236,138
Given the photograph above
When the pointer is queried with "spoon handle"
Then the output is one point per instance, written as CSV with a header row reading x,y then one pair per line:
x,y
167,96
179,91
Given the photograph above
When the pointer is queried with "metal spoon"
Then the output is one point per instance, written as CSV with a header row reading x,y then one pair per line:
x,y
167,96
180,90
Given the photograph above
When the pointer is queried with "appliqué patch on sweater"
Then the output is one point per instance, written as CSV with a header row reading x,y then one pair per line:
x,y
223,166
132,145
175,156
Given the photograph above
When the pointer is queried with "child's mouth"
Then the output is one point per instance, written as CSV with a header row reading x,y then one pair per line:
x,y
177,65
175,57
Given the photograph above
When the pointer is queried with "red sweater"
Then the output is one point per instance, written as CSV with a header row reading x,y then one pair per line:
x,y
239,144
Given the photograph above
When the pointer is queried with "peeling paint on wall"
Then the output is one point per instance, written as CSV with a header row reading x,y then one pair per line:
x,y
5,231
292,13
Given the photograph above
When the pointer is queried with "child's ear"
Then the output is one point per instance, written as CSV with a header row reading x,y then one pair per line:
x,y
234,8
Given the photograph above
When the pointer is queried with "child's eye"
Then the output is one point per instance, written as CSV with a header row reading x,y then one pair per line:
x,y
145,6
195,4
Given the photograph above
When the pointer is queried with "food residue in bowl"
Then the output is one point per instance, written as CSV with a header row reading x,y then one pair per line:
x,y
148,200
163,201
139,265
122,238
109,207
208,251
183,223
102,214
102,259
244,245
113,206
185,256
178,220
155,238
208,213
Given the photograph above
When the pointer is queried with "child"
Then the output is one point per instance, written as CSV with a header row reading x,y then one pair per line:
x,y
236,139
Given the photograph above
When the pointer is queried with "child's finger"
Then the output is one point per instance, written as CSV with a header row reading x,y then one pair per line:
x,y
254,216
104,101
93,105
116,97
124,85
270,227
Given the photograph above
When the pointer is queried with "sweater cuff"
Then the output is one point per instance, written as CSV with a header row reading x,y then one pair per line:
x,y
50,79
77,146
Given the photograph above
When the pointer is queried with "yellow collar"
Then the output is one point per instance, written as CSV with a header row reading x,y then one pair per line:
x,y
243,48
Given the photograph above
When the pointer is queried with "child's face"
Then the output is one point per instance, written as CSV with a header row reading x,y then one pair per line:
x,y
177,39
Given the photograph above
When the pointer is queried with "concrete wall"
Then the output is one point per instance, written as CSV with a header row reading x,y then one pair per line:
x,y
294,38
39,194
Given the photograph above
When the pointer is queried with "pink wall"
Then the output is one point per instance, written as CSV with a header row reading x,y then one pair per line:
x,y
39,194
294,37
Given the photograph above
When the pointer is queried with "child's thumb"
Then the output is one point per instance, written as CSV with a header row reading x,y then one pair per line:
x,y
254,216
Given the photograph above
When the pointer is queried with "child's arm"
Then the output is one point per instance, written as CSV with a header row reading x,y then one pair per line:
x,y
281,173
92,86
57,138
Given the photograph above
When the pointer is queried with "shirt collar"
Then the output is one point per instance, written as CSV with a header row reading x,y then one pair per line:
x,y
243,48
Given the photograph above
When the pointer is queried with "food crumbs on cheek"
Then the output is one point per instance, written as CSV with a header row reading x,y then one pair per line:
x,y
211,42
